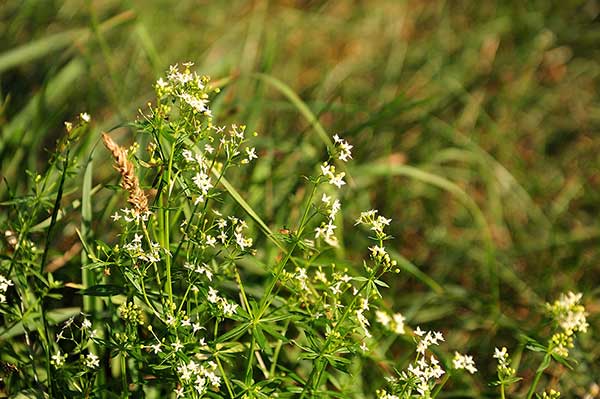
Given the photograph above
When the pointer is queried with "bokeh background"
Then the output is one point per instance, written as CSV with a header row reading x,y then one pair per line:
x,y
474,125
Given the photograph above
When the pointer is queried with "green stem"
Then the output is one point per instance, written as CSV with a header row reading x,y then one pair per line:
x,y
438,389
225,378
267,299
165,230
536,379
277,350
53,218
320,366
502,396
248,374
124,385
243,292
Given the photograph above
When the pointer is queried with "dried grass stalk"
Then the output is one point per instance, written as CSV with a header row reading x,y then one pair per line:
x,y
129,181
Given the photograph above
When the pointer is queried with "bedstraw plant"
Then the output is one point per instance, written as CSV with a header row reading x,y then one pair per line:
x,y
187,293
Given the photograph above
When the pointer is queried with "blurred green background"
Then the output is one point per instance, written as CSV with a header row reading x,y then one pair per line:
x,y
474,125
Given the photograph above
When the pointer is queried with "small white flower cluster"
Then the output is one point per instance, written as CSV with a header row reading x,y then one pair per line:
x,y
58,359
228,308
131,215
91,361
464,362
394,323
426,372
343,148
328,171
187,86
237,226
4,284
197,376
504,369
231,144
426,339
327,229
362,320
135,250
199,269
376,222
242,241
183,321
570,316
568,313
336,284
201,179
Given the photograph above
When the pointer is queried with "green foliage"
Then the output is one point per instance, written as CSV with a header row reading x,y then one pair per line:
x,y
473,129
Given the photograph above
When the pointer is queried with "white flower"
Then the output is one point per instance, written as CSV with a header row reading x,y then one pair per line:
x,y
364,347
197,327
85,117
161,83
213,296
500,353
229,308
4,284
338,180
344,148
177,345
210,240
156,348
383,318
335,208
464,362
58,360
202,181
171,321
251,152
398,323
326,170
86,324
92,361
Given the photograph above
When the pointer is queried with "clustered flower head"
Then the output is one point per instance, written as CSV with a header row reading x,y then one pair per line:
x,y
394,323
4,284
551,395
568,313
335,179
570,316
327,229
421,375
228,308
343,148
131,313
332,206
197,377
186,86
377,223
464,362
504,370
137,252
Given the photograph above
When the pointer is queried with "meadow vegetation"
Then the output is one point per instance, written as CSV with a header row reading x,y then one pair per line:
x,y
379,199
